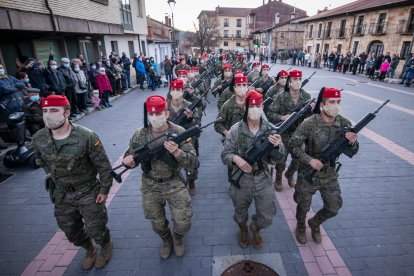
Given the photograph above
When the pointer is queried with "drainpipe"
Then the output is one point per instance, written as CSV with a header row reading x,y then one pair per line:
x,y
323,36
352,30
52,16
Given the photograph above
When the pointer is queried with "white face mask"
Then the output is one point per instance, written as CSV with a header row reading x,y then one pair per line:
x,y
282,82
54,121
228,74
53,67
296,84
240,91
157,122
265,72
256,69
331,110
255,113
190,75
176,94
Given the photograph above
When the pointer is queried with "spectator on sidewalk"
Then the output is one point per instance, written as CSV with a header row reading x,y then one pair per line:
x,y
310,60
384,69
318,59
118,67
10,92
355,63
347,62
93,72
70,81
36,72
410,74
127,68
340,62
408,60
111,73
306,59
104,86
336,62
370,65
80,87
363,59
393,65
140,69
331,59
55,80
168,69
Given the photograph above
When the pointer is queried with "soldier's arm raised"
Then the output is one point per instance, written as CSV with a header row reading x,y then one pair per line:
x,y
100,160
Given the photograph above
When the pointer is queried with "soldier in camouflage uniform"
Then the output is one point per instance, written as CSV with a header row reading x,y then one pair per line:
x,y
176,106
181,66
255,74
279,86
220,65
265,81
72,156
190,93
315,133
255,182
229,91
226,76
161,182
279,110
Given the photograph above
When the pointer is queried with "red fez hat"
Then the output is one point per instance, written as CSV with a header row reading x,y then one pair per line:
x,y
244,56
256,63
295,73
265,66
204,56
156,104
182,72
182,58
227,66
283,73
330,92
178,83
223,57
240,79
193,68
55,100
238,72
254,97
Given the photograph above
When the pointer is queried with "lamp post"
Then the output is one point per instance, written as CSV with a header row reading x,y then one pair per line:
x,y
172,3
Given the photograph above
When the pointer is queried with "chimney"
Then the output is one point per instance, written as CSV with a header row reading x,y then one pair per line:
x,y
150,34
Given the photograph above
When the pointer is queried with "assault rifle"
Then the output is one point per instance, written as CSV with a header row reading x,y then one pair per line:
x,y
224,85
256,82
307,80
261,147
145,153
182,117
200,79
332,151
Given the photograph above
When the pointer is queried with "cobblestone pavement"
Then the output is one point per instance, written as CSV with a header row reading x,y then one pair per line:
x,y
373,233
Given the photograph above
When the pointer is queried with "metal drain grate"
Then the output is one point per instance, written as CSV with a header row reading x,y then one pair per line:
x,y
249,268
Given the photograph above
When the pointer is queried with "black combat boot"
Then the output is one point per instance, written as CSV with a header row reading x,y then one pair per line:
x,y
278,182
289,176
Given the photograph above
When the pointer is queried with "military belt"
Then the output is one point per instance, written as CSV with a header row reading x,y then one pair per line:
x,y
161,180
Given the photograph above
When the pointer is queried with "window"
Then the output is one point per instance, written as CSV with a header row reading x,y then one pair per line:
x,y
410,26
225,43
103,2
143,49
282,34
310,31
380,28
238,44
226,33
114,46
131,48
359,26
226,22
238,34
320,30
339,48
326,48
355,47
318,46
239,23
328,30
405,50
126,18
140,13
342,28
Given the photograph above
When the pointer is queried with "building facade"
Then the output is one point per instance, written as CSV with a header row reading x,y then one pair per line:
x,y
159,39
370,26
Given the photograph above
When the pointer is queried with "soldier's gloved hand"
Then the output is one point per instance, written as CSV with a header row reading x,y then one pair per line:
x,y
188,113
242,164
172,147
316,164
284,117
275,139
129,161
352,137
101,198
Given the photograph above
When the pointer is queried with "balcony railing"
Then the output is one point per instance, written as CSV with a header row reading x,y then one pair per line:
x,y
358,29
378,29
405,27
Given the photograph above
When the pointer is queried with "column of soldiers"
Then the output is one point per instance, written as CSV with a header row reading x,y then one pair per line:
x,y
73,157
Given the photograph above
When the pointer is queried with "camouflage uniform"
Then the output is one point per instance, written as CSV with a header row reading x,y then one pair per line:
x,y
72,169
273,90
256,185
281,106
231,112
315,134
225,95
252,76
181,67
265,84
219,82
161,183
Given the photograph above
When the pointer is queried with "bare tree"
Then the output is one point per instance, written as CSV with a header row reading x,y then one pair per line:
x,y
206,33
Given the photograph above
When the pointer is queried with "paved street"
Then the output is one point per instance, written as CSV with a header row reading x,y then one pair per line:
x,y
373,233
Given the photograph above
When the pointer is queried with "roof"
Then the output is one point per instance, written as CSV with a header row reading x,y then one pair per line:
x,y
357,7
292,21
159,39
226,11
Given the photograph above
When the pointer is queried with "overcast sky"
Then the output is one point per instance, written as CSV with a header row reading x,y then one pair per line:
x,y
186,11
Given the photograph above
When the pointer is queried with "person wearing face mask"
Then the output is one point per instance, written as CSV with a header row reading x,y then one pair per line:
x,y
55,79
279,111
71,81
191,94
176,106
104,86
315,133
93,73
220,66
265,80
255,182
72,156
181,66
255,74
80,88
226,76
10,92
236,86
161,183
281,78
33,108
112,74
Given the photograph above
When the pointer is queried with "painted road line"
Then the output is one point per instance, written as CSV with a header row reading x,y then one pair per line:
x,y
374,100
58,253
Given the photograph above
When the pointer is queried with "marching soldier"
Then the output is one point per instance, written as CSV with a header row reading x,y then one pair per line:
x,y
226,76
220,65
315,133
72,156
279,110
176,106
181,66
161,182
229,91
255,74
255,183
265,82
279,86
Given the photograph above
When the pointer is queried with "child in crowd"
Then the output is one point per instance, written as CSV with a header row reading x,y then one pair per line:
x,y
96,101
104,86
383,69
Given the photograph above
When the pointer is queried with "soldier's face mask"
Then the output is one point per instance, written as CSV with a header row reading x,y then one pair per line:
x,y
228,74
331,109
191,75
256,68
255,112
54,119
282,81
157,121
265,72
295,84
240,89
176,94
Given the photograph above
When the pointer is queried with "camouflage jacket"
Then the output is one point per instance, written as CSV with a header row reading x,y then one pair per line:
x,y
241,138
265,84
160,168
273,90
316,134
231,112
219,82
225,95
252,76
181,67
195,120
284,105
77,162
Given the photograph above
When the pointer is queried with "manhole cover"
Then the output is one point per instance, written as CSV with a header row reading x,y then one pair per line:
x,y
249,268
5,176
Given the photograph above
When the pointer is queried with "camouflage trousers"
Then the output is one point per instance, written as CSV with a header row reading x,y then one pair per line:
x,y
326,182
281,165
81,219
260,189
154,198
192,173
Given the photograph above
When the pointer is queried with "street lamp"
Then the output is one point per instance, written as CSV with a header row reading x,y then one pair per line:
x,y
172,3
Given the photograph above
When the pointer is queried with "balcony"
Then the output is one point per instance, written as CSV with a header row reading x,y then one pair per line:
x,y
378,29
358,30
405,27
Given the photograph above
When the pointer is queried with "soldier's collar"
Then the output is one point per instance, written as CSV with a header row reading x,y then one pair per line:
x,y
321,122
71,139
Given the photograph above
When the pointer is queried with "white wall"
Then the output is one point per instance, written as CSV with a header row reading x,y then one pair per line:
x,y
122,43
